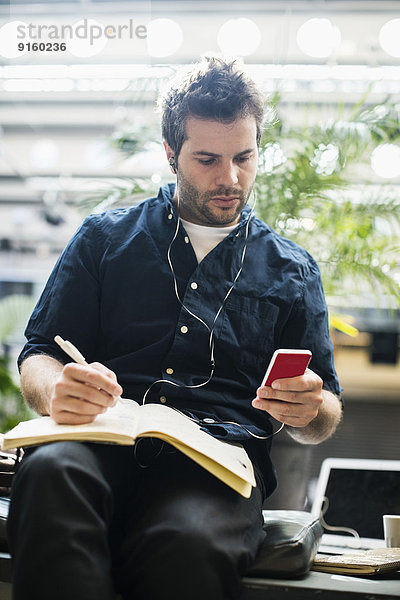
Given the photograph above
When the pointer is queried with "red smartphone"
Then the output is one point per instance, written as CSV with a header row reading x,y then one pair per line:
x,y
286,363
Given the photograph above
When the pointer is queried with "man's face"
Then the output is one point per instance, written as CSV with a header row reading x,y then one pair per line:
x,y
217,166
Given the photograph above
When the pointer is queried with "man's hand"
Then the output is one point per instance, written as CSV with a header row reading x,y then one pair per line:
x,y
310,413
294,401
82,392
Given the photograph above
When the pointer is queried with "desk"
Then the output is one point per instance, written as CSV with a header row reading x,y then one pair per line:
x,y
322,586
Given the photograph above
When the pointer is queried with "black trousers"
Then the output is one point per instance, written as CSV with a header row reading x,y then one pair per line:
x,y
90,520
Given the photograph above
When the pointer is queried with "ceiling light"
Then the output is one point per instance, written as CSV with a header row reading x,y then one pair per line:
x,y
325,159
239,37
97,154
389,37
318,38
385,161
272,157
88,39
9,40
164,37
44,154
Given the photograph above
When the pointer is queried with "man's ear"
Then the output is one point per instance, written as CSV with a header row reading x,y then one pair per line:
x,y
170,157
168,150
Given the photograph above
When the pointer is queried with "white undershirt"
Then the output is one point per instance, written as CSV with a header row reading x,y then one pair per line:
x,y
203,238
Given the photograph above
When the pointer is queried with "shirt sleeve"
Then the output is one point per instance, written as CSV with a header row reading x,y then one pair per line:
x,y
69,303
308,327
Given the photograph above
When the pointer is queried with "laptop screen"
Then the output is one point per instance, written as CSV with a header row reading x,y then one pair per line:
x,y
358,493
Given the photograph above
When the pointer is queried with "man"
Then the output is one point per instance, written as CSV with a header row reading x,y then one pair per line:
x,y
179,300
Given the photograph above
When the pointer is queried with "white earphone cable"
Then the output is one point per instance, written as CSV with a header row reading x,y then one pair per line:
x,y
212,328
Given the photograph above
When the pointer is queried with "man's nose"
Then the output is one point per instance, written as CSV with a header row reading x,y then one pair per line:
x,y
227,175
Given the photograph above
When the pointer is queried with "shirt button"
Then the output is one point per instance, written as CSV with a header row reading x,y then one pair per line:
x,y
163,399
186,239
184,329
193,285
170,216
169,371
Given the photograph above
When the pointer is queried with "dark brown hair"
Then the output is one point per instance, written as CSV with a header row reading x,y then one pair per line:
x,y
213,89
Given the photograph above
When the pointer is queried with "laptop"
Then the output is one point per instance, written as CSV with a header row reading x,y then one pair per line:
x,y
351,496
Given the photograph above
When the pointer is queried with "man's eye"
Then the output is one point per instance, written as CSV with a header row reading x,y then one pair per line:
x,y
243,159
208,161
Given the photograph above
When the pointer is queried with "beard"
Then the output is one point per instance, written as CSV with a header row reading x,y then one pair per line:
x,y
197,207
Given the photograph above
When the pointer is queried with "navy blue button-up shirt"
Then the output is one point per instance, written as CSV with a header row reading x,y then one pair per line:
x,y
112,294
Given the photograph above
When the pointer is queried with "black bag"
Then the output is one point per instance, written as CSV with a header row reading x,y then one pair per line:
x,y
290,545
8,465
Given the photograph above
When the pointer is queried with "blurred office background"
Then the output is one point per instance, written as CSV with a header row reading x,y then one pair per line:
x,y
79,132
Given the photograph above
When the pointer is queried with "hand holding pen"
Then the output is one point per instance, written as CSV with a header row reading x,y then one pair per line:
x,y
82,391
71,350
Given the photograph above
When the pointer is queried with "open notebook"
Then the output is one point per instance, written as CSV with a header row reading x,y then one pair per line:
x,y
352,495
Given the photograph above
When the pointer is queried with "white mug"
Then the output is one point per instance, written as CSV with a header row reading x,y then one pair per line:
x,y
391,529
